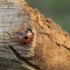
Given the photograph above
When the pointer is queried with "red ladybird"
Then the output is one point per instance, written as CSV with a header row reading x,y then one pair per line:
x,y
25,36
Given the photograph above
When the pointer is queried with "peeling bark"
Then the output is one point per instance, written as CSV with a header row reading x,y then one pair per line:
x,y
48,50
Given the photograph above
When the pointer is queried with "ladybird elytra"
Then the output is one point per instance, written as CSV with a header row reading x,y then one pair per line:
x,y
25,35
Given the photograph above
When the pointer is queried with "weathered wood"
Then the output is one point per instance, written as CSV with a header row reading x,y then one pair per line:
x,y
13,17
50,46
7,64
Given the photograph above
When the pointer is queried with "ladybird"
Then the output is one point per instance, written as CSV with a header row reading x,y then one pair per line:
x,y
25,36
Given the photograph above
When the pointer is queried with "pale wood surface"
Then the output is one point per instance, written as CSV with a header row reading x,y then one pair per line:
x,y
13,17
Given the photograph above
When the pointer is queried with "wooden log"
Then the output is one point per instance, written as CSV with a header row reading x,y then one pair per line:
x,y
7,64
50,47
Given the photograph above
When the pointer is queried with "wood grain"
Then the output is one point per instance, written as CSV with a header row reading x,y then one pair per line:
x,y
50,46
13,17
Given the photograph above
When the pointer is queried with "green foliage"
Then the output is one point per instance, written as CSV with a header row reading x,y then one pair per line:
x,y
58,10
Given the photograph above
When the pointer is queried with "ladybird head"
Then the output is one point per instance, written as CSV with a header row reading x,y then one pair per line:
x,y
29,29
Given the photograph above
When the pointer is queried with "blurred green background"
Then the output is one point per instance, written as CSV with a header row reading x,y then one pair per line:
x,y
58,10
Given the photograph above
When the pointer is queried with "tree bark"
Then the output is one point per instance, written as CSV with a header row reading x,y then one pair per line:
x,y
48,50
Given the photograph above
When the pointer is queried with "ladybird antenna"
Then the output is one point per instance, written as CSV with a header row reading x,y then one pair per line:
x,y
9,36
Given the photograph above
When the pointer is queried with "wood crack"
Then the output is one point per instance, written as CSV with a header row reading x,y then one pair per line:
x,y
55,42
23,60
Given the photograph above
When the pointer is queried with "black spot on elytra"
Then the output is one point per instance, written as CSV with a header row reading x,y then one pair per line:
x,y
25,37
